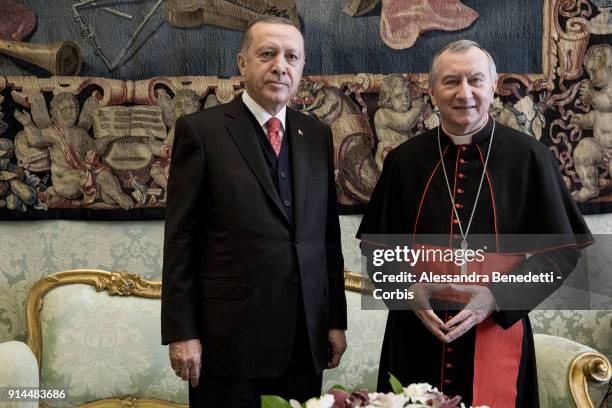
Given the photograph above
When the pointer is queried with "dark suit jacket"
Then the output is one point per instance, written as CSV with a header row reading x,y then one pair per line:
x,y
233,263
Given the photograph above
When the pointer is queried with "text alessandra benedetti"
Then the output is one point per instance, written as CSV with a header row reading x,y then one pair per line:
x,y
473,277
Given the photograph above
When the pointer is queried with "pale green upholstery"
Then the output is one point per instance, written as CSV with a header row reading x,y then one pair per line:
x,y
18,368
102,346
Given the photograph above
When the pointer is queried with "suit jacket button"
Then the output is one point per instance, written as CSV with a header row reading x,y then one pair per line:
x,y
287,203
283,174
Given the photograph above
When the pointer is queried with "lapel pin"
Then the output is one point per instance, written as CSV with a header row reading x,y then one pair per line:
x,y
300,132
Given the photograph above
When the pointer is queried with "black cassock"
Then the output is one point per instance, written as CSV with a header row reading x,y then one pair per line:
x,y
522,193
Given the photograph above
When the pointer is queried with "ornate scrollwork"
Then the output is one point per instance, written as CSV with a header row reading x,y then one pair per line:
x,y
587,367
128,402
357,283
123,284
572,41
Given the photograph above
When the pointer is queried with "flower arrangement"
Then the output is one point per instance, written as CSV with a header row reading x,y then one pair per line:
x,y
421,395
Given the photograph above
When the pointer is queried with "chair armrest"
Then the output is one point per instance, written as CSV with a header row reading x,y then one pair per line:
x,y
565,370
18,368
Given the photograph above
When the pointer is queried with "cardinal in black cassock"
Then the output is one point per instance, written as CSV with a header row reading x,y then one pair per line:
x,y
521,192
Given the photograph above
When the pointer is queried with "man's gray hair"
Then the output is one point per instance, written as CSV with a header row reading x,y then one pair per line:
x,y
245,42
461,46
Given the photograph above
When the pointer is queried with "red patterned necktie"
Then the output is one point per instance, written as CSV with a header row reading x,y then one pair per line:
x,y
274,124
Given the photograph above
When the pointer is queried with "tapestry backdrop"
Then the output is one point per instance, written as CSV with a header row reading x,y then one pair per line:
x,y
91,90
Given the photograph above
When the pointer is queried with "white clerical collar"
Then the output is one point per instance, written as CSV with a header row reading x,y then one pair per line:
x,y
463,139
260,113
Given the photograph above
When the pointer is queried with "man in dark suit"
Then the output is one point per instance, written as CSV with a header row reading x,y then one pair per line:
x,y
253,291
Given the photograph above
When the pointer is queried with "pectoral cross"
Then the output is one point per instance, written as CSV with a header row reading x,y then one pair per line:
x,y
464,267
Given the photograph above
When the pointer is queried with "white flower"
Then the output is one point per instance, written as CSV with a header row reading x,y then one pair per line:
x,y
419,392
326,401
380,400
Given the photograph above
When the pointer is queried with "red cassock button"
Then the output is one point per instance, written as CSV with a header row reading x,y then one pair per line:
x,y
455,221
458,206
461,175
464,148
448,365
462,161
448,381
450,349
459,191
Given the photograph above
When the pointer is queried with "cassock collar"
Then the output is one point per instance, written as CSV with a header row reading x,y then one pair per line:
x,y
479,137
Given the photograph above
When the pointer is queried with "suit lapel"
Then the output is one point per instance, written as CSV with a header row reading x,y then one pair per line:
x,y
299,164
242,132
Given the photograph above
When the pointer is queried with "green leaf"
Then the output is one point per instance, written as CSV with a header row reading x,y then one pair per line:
x,y
396,385
340,388
272,401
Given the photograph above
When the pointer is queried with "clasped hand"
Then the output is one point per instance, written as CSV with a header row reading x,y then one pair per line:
x,y
481,305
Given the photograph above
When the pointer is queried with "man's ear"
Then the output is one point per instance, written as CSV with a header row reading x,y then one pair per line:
x,y
431,95
241,60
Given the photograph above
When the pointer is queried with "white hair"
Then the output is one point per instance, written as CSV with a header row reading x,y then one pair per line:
x,y
461,46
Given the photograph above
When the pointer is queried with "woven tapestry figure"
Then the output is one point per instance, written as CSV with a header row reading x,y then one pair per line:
x,y
595,152
396,116
76,170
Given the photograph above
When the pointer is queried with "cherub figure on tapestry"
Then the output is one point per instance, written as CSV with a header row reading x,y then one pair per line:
x,y
595,152
76,169
396,116
185,102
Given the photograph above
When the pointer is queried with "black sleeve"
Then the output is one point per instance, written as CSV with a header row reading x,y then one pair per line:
x,y
335,261
181,257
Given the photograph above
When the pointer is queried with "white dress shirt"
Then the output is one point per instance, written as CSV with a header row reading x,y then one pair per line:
x,y
263,116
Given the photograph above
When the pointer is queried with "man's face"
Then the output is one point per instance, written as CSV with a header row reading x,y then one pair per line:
x,y
272,65
463,90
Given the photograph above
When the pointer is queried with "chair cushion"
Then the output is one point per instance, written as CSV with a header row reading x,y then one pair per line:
x,y
18,368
